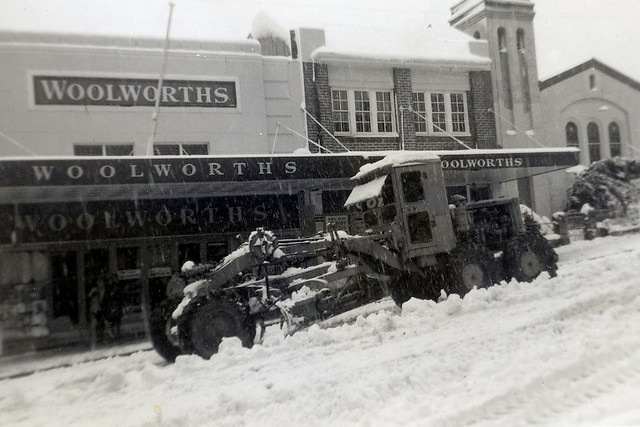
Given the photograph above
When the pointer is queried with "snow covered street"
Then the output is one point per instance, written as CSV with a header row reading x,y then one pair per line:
x,y
563,351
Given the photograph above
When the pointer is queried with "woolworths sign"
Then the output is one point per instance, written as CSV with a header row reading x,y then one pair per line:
x,y
134,92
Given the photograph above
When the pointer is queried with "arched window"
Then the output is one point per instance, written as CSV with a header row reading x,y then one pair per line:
x,y
476,35
593,137
592,82
615,142
524,76
505,71
571,131
502,40
520,39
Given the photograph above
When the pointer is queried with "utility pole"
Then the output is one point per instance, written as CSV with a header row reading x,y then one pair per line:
x,y
163,69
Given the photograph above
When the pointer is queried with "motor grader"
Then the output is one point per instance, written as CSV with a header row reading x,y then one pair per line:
x,y
415,244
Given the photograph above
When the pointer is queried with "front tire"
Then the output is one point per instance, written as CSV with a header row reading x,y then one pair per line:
x,y
163,341
213,319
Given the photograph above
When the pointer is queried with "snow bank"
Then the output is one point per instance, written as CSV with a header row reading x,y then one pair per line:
x,y
562,351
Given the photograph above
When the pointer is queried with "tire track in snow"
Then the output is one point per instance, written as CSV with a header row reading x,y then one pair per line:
x,y
546,399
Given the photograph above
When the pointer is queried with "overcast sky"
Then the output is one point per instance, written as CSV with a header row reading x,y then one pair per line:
x,y
568,32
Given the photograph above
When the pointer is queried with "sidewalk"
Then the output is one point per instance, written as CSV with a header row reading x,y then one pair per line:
x,y
26,364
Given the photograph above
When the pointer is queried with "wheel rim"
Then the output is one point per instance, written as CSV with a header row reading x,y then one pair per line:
x,y
530,264
472,275
208,329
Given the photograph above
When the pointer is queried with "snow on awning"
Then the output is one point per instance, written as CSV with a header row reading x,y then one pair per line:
x,y
366,191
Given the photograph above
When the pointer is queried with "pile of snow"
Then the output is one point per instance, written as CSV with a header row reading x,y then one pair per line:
x,y
546,225
562,351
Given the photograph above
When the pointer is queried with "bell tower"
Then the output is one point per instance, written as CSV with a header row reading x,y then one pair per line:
x,y
507,25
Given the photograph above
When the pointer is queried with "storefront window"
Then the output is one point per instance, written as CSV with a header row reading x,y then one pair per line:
x,y
24,290
189,252
64,281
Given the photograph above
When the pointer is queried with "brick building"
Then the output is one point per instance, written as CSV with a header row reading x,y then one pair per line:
x,y
250,132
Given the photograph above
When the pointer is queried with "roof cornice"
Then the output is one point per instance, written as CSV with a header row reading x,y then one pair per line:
x,y
592,64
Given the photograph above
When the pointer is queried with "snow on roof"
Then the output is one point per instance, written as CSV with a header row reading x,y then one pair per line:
x,y
396,158
411,46
263,25
415,32
379,35
366,191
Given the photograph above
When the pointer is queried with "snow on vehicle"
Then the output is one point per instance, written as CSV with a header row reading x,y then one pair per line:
x,y
415,245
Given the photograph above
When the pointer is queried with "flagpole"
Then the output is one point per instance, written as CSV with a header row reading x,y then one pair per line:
x,y
156,110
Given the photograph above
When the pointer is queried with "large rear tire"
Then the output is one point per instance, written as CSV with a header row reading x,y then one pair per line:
x,y
470,268
523,263
212,319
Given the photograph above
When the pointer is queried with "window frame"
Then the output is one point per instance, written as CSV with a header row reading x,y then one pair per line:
x,y
367,119
104,149
340,111
182,152
570,130
448,112
594,142
615,146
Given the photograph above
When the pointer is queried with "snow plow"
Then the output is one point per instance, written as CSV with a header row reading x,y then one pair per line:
x,y
416,245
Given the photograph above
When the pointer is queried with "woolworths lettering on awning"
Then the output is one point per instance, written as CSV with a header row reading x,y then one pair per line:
x,y
160,170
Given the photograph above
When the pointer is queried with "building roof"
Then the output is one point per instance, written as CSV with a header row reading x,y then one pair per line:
x,y
398,39
17,39
592,64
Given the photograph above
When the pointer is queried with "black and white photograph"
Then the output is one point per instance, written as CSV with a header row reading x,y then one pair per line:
x,y
319,213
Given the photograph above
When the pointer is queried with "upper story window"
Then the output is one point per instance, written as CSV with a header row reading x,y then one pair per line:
x,y
502,40
362,111
103,149
592,82
615,141
520,40
419,106
571,132
340,108
441,112
593,138
179,149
